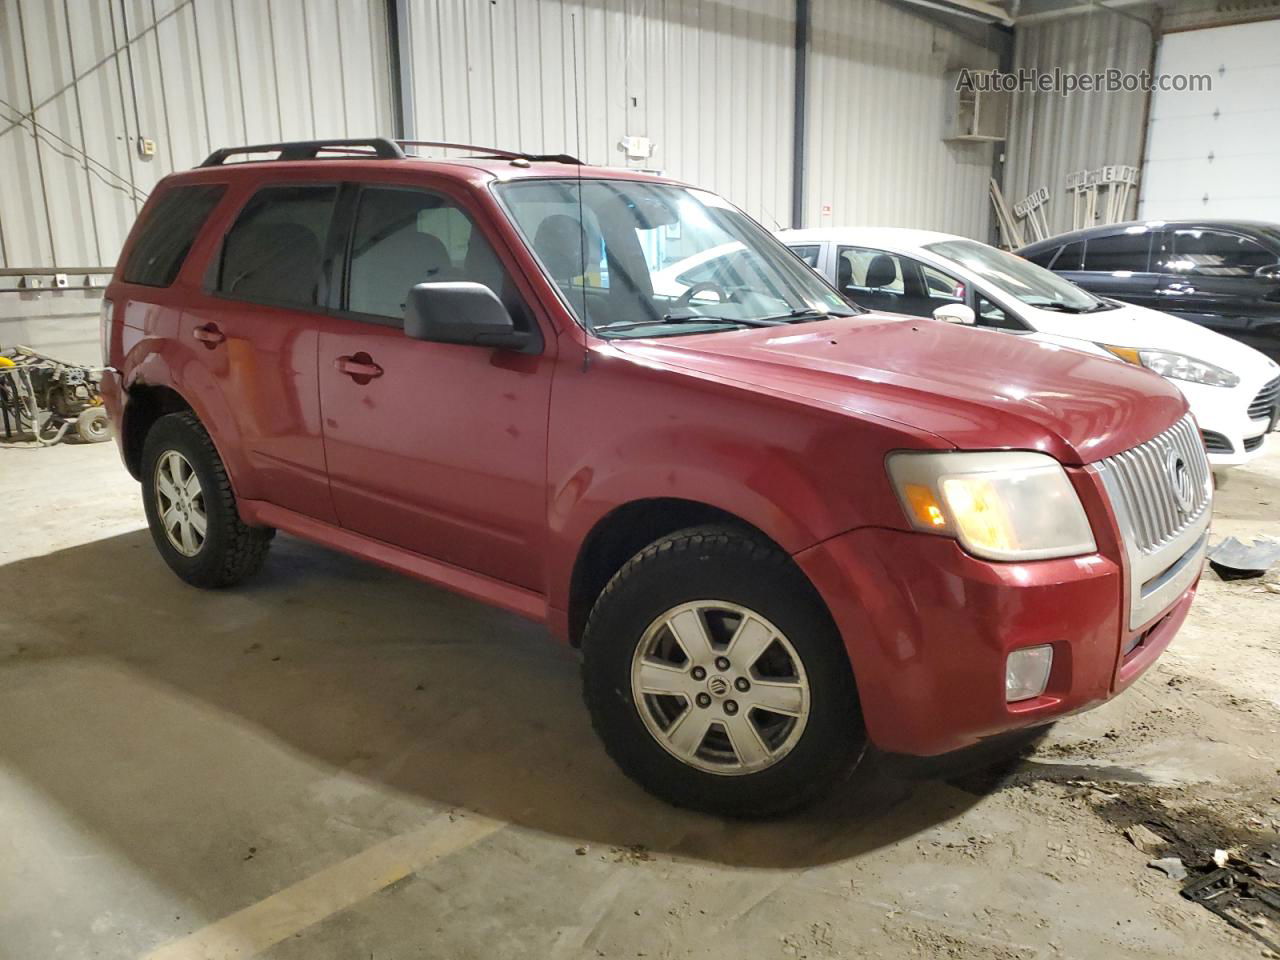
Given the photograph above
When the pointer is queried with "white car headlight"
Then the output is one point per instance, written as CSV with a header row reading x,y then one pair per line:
x,y
999,505
1176,366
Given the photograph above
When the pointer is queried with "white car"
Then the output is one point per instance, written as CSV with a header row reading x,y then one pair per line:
x,y
1233,389
720,265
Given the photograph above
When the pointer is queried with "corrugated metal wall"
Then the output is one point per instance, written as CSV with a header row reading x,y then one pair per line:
x,y
877,105
710,82
80,82
1051,135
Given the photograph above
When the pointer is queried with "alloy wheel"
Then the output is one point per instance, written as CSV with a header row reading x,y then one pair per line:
x,y
720,687
180,503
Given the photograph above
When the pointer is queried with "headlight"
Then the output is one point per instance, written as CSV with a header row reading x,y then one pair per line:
x,y
1176,366
1002,506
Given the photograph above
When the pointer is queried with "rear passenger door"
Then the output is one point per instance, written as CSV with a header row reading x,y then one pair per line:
x,y
253,335
433,447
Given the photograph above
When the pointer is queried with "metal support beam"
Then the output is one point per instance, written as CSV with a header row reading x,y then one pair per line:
x,y
800,124
1005,65
400,42
1036,11
989,34
971,9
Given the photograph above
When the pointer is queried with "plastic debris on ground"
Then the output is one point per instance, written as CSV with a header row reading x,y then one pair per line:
x,y
1234,560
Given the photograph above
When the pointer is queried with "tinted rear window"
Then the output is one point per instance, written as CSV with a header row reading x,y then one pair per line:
x,y
168,232
1043,258
273,251
1119,251
1071,257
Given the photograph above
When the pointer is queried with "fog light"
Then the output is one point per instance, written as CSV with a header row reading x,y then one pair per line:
x,y
1026,673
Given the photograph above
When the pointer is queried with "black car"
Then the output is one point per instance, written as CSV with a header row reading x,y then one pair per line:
x,y
1224,274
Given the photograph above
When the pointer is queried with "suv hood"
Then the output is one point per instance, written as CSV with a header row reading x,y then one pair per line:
x,y
975,389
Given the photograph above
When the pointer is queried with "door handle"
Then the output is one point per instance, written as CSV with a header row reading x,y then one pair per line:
x,y
209,334
359,367
1177,288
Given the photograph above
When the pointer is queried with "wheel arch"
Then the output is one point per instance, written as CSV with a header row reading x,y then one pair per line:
x,y
145,405
626,530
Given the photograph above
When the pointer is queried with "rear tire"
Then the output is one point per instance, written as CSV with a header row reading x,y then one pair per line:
x,y
191,508
761,641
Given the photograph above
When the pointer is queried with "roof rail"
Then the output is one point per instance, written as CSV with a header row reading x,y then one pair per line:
x,y
493,151
379,147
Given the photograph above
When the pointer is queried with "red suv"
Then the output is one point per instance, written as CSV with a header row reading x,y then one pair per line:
x,y
779,527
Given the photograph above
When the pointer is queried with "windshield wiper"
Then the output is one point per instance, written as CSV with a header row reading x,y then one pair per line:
x,y
672,319
1064,308
707,318
805,313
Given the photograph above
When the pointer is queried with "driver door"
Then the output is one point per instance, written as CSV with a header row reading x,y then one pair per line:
x,y
433,447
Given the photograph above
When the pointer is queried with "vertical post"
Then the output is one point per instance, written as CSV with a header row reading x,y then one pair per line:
x,y
1004,63
400,44
800,126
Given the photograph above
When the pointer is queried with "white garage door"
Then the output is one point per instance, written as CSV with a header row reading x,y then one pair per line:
x,y
1216,153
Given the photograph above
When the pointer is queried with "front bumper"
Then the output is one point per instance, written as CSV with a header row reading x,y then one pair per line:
x,y
928,628
1232,436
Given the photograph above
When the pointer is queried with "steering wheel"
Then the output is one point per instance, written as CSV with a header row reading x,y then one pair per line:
x,y
686,298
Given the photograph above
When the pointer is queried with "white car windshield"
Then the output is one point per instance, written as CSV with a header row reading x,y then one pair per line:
x,y
1019,278
640,259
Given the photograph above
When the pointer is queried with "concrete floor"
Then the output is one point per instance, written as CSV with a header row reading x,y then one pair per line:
x,y
336,762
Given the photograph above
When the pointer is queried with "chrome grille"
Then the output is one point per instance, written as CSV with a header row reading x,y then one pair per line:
x,y
1265,401
1143,482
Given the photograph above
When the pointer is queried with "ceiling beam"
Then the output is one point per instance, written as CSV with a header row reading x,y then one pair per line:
x,y
969,9
1033,11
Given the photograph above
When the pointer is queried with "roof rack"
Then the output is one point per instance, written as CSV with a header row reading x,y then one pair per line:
x,y
493,152
374,147
379,147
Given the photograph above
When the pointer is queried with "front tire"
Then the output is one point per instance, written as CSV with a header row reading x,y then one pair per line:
x,y
191,508
716,678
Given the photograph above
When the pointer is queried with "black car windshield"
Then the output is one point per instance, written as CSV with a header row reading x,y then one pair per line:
x,y
1019,278
639,259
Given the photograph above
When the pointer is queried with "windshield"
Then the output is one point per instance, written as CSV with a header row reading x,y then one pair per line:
x,y
1019,278
640,259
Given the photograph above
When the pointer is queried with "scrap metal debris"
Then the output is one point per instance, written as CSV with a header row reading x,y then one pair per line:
x,y
1242,898
1233,560
1171,867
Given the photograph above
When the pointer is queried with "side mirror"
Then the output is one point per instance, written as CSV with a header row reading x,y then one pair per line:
x,y
1269,272
955,313
462,312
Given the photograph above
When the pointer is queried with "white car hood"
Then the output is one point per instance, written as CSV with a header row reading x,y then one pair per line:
x,y
1133,326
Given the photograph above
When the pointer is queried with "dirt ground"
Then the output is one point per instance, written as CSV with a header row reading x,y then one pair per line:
x,y
335,762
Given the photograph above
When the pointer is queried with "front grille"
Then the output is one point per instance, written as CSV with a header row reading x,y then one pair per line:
x,y
1253,443
1216,442
1144,483
1265,402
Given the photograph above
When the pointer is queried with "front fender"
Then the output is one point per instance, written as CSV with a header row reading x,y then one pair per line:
x,y
798,473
